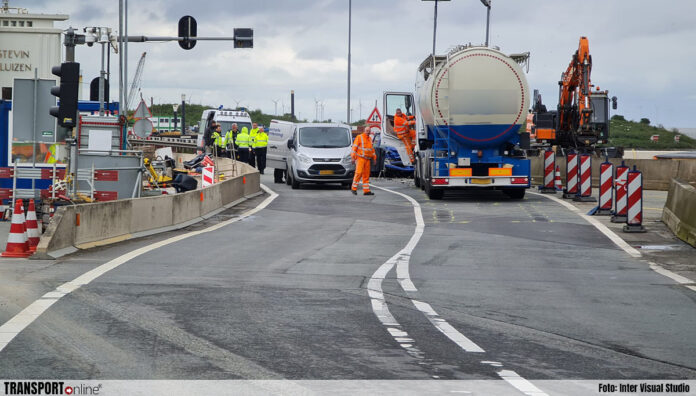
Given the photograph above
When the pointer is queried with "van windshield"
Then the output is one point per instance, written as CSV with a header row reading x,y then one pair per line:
x,y
324,137
227,125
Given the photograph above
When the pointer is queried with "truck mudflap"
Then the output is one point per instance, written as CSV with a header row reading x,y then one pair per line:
x,y
482,181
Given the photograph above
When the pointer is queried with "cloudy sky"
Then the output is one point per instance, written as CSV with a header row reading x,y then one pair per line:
x,y
644,52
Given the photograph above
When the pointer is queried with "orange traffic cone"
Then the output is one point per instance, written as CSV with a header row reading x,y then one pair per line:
x,y
559,185
33,234
17,245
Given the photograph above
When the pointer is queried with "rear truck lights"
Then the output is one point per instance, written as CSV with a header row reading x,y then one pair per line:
x,y
440,181
466,172
519,180
500,172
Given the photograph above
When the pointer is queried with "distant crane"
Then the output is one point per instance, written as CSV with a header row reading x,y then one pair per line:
x,y
137,81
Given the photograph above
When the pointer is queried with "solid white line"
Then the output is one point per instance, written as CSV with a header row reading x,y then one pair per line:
x,y
19,322
597,224
621,243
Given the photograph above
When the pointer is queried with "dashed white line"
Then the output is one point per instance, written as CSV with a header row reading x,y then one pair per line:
x,y
24,318
401,261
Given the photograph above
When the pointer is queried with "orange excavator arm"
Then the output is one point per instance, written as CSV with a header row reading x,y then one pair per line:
x,y
575,87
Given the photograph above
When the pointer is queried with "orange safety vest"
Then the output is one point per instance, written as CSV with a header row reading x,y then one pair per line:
x,y
362,147
400,124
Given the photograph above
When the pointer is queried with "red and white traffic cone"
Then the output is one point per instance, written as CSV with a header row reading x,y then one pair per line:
x,y
620,198
559,184
17,245
585,189
571,175
606,188
33,234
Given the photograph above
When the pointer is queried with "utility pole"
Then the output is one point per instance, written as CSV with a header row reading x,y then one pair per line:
x,y
487,3
350,4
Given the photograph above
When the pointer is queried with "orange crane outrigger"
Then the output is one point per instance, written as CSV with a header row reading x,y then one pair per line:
x,y
582,117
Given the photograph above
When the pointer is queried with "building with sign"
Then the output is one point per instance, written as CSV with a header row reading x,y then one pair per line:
x,y
28,42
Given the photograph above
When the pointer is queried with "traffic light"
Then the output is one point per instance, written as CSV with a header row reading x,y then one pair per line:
x,y
243,38
188,28
66,111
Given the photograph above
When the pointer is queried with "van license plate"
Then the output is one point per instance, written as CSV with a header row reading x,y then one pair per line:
x,y
480,181
326,172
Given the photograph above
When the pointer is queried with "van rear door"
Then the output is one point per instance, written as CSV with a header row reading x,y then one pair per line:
x,y
278,134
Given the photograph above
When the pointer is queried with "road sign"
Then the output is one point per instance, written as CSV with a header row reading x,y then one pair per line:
x,y
374,117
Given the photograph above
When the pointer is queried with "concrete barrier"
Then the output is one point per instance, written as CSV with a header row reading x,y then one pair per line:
x,y
680,211
657,174
103,223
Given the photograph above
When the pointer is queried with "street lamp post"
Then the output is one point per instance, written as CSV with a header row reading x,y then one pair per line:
x,y
349,26
487,3
183,114
175,107
434,28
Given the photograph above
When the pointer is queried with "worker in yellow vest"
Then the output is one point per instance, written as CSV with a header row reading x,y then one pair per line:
x,y
243,142
252,136
219,142
260,147
229,141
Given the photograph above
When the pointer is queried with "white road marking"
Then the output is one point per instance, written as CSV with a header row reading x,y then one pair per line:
x,y
401,260
621,243
19,322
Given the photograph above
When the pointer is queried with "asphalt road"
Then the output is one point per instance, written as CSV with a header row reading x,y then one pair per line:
x,y
283,294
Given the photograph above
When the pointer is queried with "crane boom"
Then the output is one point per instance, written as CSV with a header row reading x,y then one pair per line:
x,y
137,81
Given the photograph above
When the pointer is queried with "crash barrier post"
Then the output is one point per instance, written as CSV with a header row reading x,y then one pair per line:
x,y
557,181
606,188
17,245
548,186
571,175
634,221
585,188
620,197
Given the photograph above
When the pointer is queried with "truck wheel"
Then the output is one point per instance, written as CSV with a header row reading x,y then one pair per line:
x,y
433,193
515,193
416,175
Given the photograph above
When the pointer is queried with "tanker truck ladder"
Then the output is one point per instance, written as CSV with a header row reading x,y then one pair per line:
x,y
441,146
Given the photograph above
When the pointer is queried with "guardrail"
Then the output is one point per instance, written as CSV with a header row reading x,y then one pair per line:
x,y
187,143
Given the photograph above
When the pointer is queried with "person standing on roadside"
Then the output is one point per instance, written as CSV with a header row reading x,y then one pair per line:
x,y
243,143
260,147
229,141
208,137
362,153
252,136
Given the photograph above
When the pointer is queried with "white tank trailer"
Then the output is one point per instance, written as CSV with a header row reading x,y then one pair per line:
x,y
472,105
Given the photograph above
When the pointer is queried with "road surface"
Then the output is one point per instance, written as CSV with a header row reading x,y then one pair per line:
x,y
324,285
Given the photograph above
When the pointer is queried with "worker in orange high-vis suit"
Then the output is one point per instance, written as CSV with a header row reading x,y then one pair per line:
x,y
401,127
362,154
412,130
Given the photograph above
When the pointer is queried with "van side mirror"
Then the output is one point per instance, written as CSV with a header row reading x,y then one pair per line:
x,y
291,144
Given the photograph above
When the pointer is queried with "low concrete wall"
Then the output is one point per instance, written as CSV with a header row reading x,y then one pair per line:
x,y
680,211
657,174
108,222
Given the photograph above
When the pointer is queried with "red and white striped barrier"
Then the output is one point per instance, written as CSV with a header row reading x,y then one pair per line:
x,y
585,189
557,181
33,234
620,197
606,188
17,245
571,175
634,221
208,176
548,186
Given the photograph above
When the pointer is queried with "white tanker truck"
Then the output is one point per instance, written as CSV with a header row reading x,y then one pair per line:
x,y
470,106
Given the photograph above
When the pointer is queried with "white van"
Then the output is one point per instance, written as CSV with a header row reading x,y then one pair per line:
x,y
313,152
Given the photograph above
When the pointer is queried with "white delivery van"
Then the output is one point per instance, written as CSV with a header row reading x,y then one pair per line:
x,y
319,153
279,132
